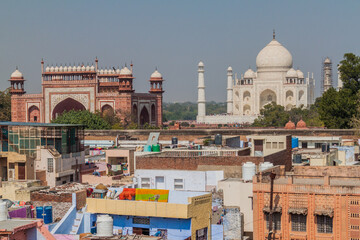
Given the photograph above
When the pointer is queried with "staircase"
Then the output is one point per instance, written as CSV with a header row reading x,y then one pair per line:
x,y
77,221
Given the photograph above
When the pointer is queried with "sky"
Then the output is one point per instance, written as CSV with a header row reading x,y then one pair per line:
x,y
173,36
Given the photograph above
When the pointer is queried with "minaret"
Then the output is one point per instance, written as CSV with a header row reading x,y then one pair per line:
x,y
201,93
17,83
326,75
340,82
156,82
229,90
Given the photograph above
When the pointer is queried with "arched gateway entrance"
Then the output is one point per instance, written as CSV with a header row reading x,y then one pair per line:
x,y
67,105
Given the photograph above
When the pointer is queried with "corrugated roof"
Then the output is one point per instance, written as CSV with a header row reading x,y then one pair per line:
x,y
37,124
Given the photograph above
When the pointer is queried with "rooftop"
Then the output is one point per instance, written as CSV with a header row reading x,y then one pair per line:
x,y
12,224
37,124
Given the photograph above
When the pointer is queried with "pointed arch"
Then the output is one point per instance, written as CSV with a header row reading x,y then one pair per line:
x,y
266,97
107,110
34,114
144,116
67,105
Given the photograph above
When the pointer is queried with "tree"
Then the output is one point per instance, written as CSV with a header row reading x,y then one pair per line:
x,y
272,115
350,72
88,119
5,105
337,108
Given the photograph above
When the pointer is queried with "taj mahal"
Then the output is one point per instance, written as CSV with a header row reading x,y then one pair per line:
x,y
275,80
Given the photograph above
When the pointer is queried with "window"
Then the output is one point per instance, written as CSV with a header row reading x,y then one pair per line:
x,y
276,220
50,163
304,144
71,178
141,220
35,118
268,145
274,144
201,234
145,182
178,184
298,222
281,145
324,224
317,145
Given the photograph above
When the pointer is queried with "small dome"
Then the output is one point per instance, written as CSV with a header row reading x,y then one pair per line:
x,y
101,71
61,69
290,125
301,125
92,68
274,55
56,69
291,73
118,71
65,68
201,64
87,68
249,74
229,68
300,74
327,60
105,71
78,68
52,69
125,71
47,69
83,68
16,74
156,74
74,68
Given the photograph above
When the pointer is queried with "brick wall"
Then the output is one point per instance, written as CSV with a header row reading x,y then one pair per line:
x,y
63,197
282,157
334,171
41,175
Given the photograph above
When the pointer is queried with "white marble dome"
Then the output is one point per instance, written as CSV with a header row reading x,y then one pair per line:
x,y
300,74
125,71
249,74
156,74
16,74
291,73
229,68
201,64
274,55
47,69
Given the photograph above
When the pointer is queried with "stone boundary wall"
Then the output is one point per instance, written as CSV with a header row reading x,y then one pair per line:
x,y
60,197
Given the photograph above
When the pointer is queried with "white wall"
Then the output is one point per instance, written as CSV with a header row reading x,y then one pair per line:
x,y
192,180
238,194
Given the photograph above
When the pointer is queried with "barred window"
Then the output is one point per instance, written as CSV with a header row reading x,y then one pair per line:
x,y
50,163
276,220
298,222
178,184
141,220
145,182
324,224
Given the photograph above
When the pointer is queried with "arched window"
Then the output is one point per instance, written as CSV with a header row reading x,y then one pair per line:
x,y
33,114
247,95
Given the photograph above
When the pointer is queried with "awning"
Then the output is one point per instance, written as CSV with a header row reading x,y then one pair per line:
x,y
302,211
324,212
275,209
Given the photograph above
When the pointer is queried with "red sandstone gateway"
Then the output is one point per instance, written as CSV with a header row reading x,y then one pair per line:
x,y
86,87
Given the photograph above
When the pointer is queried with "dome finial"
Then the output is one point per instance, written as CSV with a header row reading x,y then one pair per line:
x,y
273,33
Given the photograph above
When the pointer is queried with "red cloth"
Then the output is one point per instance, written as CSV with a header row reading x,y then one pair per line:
x,y
127,194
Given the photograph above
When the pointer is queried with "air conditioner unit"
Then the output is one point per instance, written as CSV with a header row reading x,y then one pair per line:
x,y
11,174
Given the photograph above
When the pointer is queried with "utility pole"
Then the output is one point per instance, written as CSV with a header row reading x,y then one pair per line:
x,y
272,177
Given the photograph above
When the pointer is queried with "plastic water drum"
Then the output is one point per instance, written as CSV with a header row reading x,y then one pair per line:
x,y
147,148
3,211
104,226
156,148
39,212
48,215
265,165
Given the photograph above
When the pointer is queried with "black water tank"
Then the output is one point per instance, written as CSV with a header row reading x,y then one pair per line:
x,y
297,158
174,140
218,139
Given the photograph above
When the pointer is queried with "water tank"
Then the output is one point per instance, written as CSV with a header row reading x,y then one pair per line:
x,y
104,226
147,148
39,212
248,171
48,215
323,147
156,148
218,139
294,142
174,140
3,211
266,165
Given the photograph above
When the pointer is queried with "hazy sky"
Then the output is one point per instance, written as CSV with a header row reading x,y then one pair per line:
x,y
174,36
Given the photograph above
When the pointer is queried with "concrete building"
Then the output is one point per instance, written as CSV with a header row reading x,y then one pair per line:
x,y
318,141
308,203
316,157
86,87
275,80
178,179
121,160
49,152
181,215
